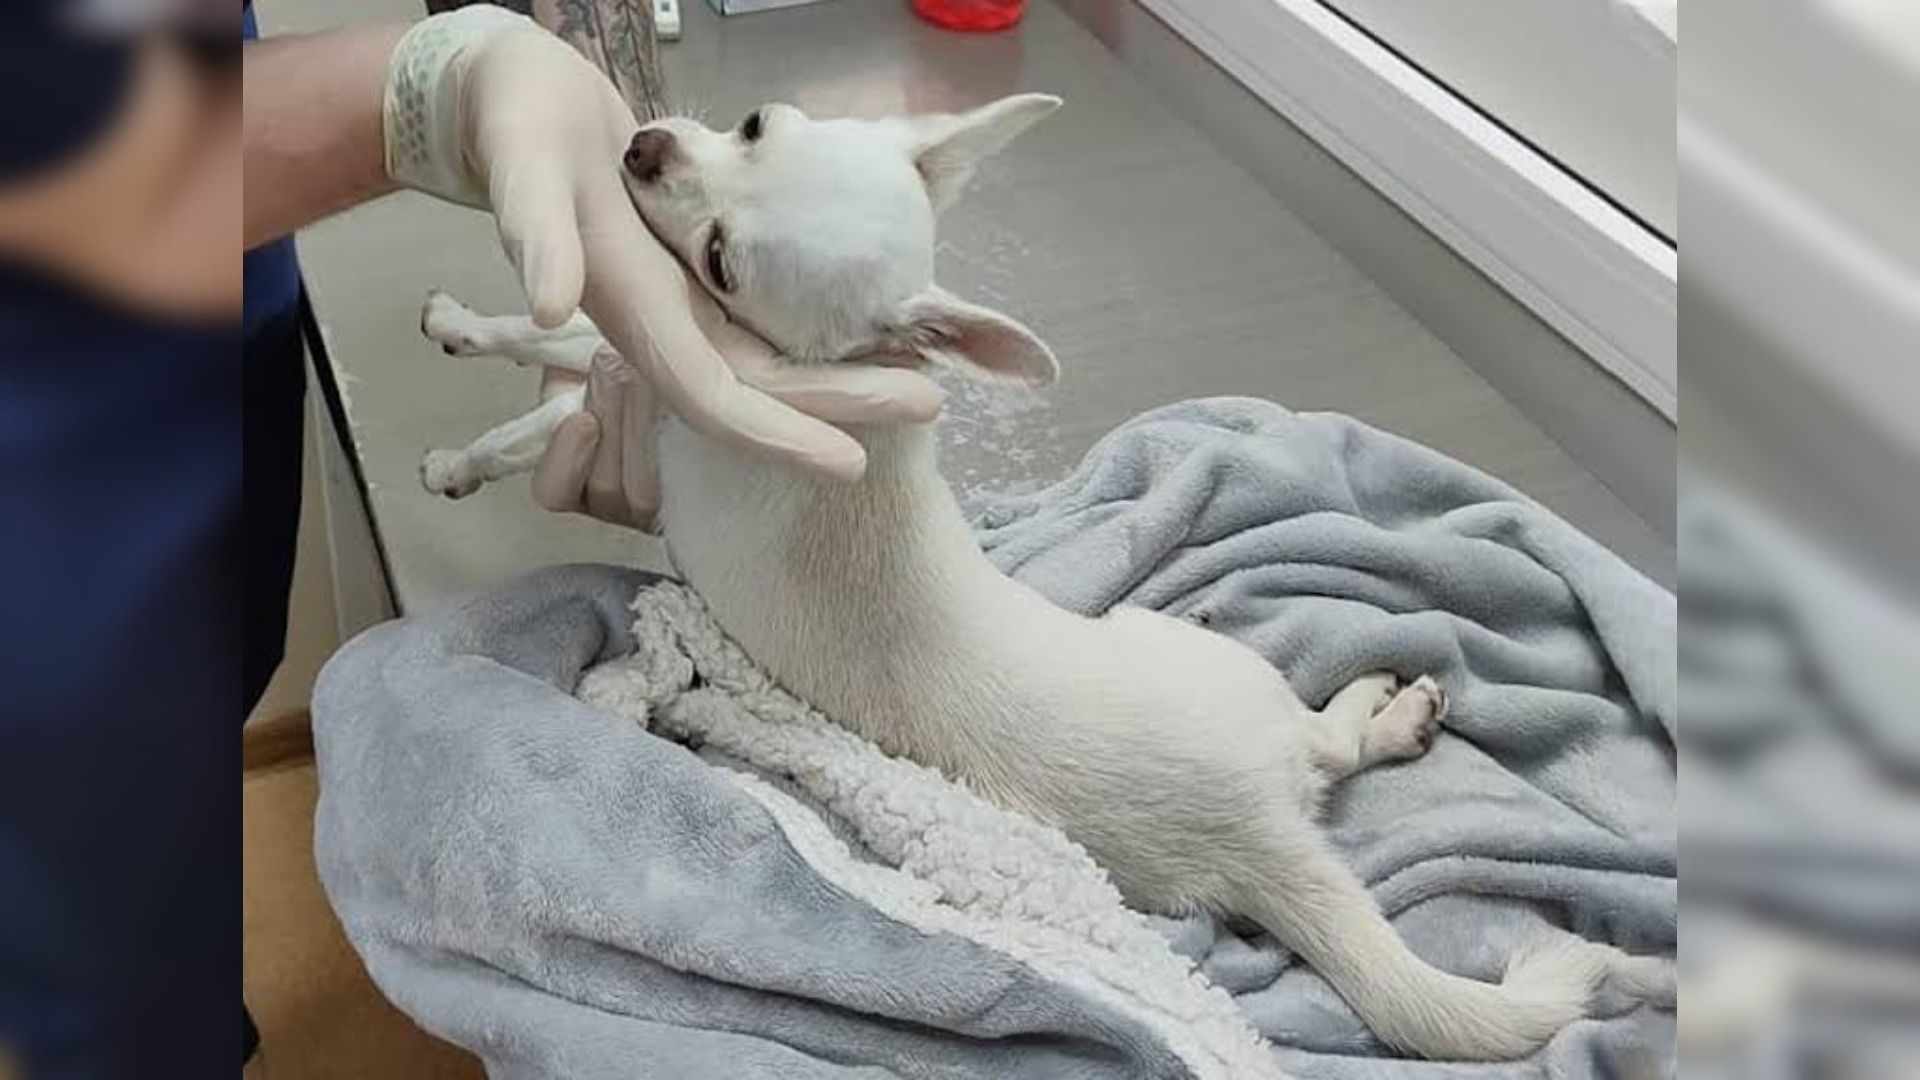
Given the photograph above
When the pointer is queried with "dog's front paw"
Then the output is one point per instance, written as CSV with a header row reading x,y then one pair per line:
x,y
449,473
1384,686
450,324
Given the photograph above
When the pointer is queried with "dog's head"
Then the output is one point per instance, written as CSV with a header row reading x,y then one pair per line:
x,y
818,234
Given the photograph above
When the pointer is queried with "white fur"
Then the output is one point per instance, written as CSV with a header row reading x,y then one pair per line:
x,y
1182,761
959,865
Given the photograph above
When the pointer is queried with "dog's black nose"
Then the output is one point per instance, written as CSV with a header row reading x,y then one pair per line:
x,y
647,153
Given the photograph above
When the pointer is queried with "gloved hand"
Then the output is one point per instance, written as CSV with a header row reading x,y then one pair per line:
x,y
485,108
614,479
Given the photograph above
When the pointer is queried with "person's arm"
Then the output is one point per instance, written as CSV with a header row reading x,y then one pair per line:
x,y
484,107
314,142
141,210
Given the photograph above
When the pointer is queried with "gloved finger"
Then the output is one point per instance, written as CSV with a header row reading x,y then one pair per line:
x,y
560,477
717,404
852,393
532,199
842,393
607,399
639,472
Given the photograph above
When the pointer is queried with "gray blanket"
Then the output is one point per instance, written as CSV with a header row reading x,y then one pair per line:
x,y
568,895
1802,765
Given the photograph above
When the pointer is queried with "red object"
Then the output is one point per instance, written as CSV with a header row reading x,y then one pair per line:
x,y
971,14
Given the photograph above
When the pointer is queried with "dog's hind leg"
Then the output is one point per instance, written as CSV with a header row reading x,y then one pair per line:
x,y
1375,719
462,331
1316,906
513,447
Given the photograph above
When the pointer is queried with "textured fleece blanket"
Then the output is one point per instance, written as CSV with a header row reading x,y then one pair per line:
x,y
692,875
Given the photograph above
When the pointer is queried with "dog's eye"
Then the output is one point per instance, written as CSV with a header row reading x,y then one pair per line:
x,y
750,127
716,265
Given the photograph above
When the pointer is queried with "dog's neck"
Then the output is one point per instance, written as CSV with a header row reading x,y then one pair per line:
x,y
833,587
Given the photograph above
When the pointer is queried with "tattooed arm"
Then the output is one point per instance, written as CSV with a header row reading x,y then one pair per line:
x,y
617,35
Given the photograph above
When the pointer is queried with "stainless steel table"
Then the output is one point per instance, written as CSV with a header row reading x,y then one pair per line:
x,y
1157,268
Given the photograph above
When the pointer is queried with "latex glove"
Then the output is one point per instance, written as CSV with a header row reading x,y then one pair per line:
x,y
615,479
486,108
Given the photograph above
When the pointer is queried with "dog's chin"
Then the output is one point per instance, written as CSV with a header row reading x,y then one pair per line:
x,y
638,195
645,199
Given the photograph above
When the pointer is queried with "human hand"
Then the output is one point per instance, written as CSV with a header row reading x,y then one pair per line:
x,y
614,478
486,108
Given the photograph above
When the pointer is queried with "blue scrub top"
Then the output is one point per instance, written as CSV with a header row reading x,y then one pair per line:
x,y
149,478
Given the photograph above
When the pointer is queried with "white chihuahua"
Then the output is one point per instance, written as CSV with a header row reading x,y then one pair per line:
x,y
1179,758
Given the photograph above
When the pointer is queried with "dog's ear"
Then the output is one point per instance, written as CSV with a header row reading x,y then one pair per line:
x,y
939,326
946,148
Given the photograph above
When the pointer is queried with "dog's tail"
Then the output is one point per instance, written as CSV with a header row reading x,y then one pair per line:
x,y
1322,911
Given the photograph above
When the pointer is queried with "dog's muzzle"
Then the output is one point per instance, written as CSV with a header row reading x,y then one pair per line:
x,y
647,154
